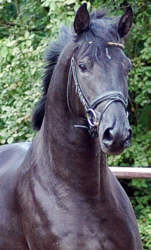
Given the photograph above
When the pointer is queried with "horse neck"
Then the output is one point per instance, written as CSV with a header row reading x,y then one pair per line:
x,y
74,157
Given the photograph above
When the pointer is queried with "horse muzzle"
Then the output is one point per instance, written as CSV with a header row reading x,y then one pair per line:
x,y
113,142
114,132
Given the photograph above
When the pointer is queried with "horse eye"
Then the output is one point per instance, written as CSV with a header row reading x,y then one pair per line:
x,y
82,67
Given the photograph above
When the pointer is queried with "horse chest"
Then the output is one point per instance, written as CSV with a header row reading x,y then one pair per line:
x,y
66,226
59,219
86,232
74,232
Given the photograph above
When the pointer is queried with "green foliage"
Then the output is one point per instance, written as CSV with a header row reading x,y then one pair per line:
x,y
62,9
26,26
145,228
19,86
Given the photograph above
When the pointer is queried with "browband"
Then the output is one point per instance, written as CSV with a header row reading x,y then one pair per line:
x,y
120,45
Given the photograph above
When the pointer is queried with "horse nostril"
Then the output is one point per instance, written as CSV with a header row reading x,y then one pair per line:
x,y
111,138
108,136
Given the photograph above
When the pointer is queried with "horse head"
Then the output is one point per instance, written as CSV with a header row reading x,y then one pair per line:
x,y
98,72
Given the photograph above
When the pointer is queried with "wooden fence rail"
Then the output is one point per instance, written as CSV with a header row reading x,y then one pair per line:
x,y
132,172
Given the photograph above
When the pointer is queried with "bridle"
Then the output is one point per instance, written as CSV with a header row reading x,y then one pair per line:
x,y
109,97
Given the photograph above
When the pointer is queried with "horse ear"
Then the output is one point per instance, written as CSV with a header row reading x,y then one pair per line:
x,y
82,19
125,22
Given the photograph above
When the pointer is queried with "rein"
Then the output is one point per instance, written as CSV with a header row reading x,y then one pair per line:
x,y
110,97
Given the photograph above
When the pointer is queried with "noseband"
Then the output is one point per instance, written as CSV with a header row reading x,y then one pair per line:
x,y
108,97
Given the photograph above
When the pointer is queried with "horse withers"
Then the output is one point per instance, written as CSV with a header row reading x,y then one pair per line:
x,y
58,193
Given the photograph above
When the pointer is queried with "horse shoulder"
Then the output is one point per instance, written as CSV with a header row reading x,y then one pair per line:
x,y
11,157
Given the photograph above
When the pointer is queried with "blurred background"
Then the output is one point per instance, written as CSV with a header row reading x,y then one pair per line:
x,y
26,28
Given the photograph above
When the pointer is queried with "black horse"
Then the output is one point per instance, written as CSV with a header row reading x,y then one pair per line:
x,y
60,195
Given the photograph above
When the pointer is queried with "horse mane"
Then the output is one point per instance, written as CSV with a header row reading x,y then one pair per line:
x,y
53,51
51,57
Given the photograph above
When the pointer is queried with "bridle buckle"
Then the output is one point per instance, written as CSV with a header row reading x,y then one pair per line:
x,y
91,118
